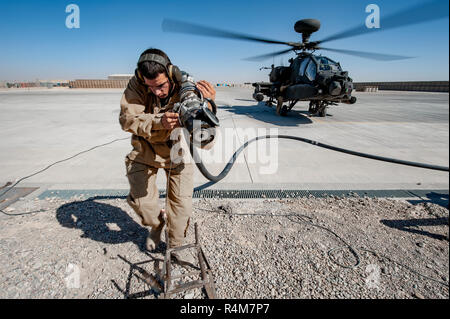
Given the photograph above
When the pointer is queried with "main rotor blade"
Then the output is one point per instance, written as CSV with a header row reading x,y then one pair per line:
x,y
266,56
369,55
169,25
428,11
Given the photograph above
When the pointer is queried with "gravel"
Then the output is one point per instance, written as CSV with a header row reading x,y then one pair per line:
x,y
333,247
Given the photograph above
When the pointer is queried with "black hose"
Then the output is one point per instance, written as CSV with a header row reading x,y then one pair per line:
x,y
230,164
44,169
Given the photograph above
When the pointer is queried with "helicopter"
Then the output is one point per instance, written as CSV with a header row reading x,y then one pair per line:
x,y
313,77
317,79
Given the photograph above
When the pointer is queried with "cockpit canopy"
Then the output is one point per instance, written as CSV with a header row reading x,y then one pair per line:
x,y
308,69
326,64
309,66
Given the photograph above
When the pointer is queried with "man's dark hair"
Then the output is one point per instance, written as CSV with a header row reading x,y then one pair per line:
x,y
151,70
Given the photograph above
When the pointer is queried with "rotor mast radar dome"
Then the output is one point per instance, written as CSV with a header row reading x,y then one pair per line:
x,y
306,27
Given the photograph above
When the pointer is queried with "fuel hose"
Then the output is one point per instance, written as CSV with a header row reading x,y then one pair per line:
x,y
229,165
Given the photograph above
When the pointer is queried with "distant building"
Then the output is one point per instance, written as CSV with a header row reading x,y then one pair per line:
x,y
225,84
126,77
98,84
57,82
424,86
36,84
114,81
53,83
240,85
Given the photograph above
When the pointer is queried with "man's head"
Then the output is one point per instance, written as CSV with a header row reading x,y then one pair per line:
x,y
155,74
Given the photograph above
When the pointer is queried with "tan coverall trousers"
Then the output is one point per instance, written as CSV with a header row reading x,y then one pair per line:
x,y
144,197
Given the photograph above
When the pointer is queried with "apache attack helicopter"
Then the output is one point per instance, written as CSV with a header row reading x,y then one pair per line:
x,y
311,77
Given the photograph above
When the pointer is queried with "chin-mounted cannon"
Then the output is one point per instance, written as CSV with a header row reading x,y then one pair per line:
x,y
194,113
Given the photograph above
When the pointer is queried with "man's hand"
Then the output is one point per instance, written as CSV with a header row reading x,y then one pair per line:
x,y
170,120
207,90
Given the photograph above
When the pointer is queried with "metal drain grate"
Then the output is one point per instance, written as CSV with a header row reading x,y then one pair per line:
x,y
256,194
14,194
316,193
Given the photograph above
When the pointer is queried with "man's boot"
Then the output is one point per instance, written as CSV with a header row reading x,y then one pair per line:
x,y
154,238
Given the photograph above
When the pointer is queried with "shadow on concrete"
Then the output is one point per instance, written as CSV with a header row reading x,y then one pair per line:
x,y
410,225
266,114
433,197
102,222
137,272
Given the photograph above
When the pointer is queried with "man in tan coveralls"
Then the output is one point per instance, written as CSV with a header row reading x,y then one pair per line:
x,y
146,113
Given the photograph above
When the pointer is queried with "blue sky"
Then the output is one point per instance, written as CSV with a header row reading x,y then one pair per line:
x,y
35,43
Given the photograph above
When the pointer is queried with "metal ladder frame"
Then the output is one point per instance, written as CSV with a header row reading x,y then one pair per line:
x,y
206,281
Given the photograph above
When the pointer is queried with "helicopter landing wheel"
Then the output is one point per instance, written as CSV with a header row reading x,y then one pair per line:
x,y
323,111
313,107
279,106
318,108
